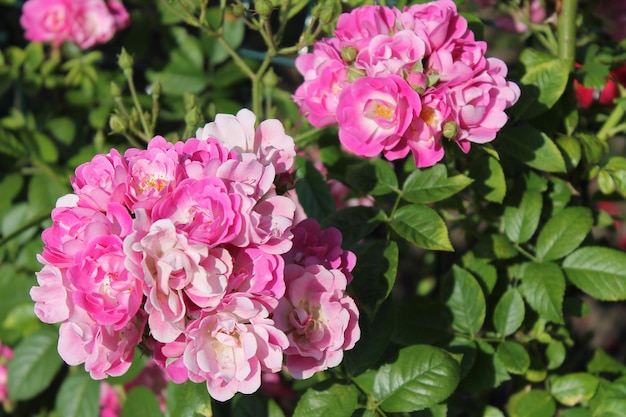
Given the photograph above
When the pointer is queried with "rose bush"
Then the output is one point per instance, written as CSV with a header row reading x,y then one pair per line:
x,y
294,208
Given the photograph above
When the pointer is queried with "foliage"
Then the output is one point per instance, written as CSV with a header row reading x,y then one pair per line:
x,y
473,276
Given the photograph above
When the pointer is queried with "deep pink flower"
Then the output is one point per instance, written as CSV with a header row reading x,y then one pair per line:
x,y
374,113
109,401
363,23
229,349
314,246
391,54
319,319
6,353
48,20
423,136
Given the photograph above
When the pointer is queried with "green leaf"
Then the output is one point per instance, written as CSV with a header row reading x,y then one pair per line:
x,y
335,401
532,147
555,353
433,184
574,388
509,313
354,222
141,402
465,299
233,30
495,247
522,217
602,362
44,192
535,403
598,271
376,272
34,364
63,129
313,192
563,233
487,373
489,178
543,83
188,400
373,177
492,412
485,273
543,287
421,377
571,150
422,226
256,405
78,396
514,357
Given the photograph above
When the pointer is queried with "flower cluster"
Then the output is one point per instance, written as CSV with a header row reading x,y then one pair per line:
x,y
398,81
83,22
188,249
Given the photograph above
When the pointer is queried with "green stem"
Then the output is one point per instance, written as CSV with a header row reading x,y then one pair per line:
x,y
236,58
525,252
133,92
566,30
34,222
614,118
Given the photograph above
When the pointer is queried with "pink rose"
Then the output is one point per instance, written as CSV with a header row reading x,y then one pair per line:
x,y
319,319
374,113
6,353
109,401
48,20
424,134
50,297
229,349
363,23
201,158
393,54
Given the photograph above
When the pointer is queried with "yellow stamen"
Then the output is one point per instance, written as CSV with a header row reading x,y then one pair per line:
x,y
384,112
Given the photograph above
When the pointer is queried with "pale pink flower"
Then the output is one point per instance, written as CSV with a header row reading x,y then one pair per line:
x,y
314,246
174,271
101,181
201,158
373,114
93,23
230,348
268,141
103,350
391,54
48,20
50,297
319,319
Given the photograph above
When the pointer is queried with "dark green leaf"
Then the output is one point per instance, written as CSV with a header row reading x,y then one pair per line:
x,y
78,396
34,364
563,233
489,178
422,226
543,287
141,402
514,357
376,272
433,184
532,147
571,151
354,222
313,192
335,401
495,247
485,273
522,217
465,299
598,271
574,388
421,377
488,371
374,177
509,312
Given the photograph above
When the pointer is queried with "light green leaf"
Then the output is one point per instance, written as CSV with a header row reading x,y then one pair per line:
x,y
465,299
574,388
188,400
34,364
598,271
421,377
535,403
602,362
532,147
141,402
489,178
544,81
78,396
514,357
63,129
555,353
492,412
522,217
422,226
563,233
335,401
571,149
543,287
509,312
433,184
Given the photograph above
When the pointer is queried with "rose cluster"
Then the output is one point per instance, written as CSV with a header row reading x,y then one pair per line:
x,y
189,250
83,22
399,81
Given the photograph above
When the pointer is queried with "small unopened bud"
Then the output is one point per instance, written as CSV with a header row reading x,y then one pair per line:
x,y
156,89
327,15
270,79
238,10
348,54
116,92
450,130
125,60
263,7
354,73
118,124
192,117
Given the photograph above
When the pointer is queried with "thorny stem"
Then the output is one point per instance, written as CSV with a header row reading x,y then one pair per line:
x,y
566,29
